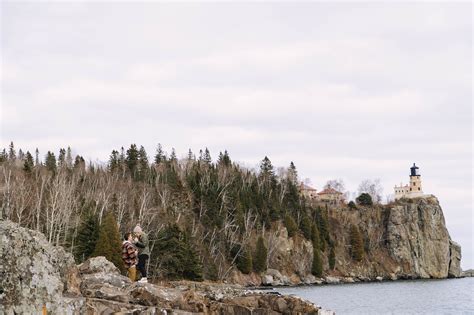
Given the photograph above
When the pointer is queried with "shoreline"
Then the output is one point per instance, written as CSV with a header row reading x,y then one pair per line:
x,y
302,285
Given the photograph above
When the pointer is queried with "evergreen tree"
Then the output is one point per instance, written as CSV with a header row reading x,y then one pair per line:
x,y
28,163
292,174
315,236
114,161
109,243
267,173
352,205
173,157
62,158
21,155
305,227
332,258
176,255
317,264
37,161
224,159
3,156
244,262
87,236
79,163
207,157
290,225
190,155
11,152
260,257
50,161
132,159
143,166
364,199
160,155
357,244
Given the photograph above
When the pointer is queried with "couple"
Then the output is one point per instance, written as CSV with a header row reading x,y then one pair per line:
x,y
135,253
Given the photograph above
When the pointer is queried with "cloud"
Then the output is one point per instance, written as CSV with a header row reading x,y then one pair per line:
x,y
343,90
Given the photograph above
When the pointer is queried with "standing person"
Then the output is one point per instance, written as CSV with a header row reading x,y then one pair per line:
x,y
130,256
143,251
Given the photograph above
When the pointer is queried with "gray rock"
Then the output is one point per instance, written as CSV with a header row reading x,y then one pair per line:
x,y
379,278
455,270
332,280
35,274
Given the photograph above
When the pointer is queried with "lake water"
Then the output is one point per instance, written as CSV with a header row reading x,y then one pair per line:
x,y
448,296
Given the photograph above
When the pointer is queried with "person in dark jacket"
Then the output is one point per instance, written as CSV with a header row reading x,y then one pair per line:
x,y
143,251
130,256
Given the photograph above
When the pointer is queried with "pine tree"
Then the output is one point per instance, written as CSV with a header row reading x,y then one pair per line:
x,y
317,265
113,161
173,157
109,243
176,255
28,164
290,225
62,158
11,152
315,236
160,155
37,161
21,155
87,237
244,262
207,157
332,258
292,174
267,174
260,257
132,159
50,161
305,227
357,243
143,166
3,156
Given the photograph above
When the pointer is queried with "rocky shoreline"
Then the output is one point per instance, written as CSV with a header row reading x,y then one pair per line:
x,y
37,277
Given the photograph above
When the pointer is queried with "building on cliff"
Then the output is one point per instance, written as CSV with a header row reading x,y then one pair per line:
x,y
412,190
330,195
308,191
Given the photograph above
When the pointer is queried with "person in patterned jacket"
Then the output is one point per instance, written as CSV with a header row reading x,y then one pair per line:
x,y
130,256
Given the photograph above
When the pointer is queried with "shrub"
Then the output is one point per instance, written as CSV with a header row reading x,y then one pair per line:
x,y
364,199
352,205
260,258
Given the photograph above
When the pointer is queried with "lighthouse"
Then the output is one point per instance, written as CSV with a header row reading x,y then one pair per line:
x,y
412,190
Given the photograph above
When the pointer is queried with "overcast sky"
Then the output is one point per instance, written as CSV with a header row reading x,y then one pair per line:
x,y
345,91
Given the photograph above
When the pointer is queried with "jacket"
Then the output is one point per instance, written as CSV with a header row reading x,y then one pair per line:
x,y
142,245
129,254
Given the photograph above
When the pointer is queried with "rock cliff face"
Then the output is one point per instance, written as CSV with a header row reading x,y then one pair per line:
x,y
37,277
406,239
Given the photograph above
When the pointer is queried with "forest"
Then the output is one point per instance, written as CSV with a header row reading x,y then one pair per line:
x,y
204,218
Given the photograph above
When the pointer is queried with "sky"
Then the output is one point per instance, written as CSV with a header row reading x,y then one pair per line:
x,y
345,90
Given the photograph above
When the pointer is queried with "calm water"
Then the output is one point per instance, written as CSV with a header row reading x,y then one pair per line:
x,y
450,296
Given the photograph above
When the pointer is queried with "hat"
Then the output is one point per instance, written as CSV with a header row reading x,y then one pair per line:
x,y
137,229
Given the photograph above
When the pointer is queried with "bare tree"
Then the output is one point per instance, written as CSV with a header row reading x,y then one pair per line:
x,y
373,188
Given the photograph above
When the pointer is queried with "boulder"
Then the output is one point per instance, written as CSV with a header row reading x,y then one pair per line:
x,y
35,275
332,280
379,278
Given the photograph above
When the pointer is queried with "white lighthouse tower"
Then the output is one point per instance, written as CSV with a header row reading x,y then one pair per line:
x,y
414,189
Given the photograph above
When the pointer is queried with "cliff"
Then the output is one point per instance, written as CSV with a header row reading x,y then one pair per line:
x,y
38,277
407,239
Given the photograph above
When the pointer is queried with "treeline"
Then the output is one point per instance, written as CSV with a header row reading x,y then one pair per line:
x,y
203,218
